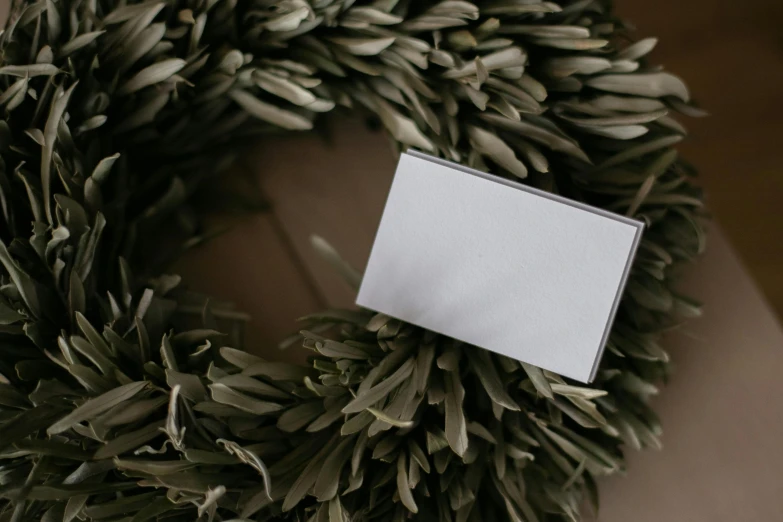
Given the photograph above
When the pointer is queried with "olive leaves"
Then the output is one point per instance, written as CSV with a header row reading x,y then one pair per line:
x,y
154,74
370,396
652,85
113,406
423,397
96,406
270,113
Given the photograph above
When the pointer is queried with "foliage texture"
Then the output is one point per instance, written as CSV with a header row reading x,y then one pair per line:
x,y
113,407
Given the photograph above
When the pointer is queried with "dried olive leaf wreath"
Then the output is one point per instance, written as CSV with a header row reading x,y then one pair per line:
x,y
113,408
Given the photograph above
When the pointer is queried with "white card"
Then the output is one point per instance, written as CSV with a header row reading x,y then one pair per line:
x,y
499,265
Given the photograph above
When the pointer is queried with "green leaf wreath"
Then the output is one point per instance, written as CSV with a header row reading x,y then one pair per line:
x,y
119,398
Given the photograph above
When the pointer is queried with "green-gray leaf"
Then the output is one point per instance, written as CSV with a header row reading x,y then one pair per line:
x,y
371,396
96,406
268,112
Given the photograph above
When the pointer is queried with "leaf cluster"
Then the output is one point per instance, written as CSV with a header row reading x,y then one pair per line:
x,y
114,407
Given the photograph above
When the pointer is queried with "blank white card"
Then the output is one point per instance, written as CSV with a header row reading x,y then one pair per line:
x,y
499,265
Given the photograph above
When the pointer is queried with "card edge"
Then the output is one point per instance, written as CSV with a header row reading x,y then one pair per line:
x,y
638,225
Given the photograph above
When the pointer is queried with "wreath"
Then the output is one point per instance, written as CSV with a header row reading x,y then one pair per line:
x,y
119,398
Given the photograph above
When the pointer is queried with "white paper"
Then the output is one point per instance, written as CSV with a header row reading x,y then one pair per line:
x,y
499,265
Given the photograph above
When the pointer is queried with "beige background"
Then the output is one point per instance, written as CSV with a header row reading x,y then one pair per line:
x,y
722,413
